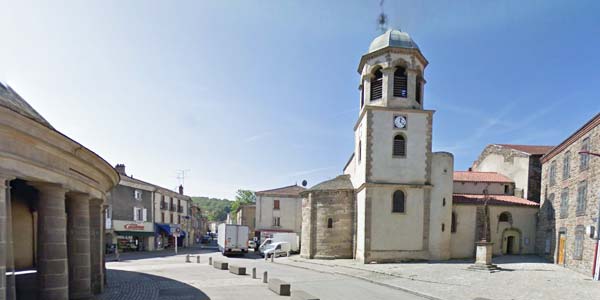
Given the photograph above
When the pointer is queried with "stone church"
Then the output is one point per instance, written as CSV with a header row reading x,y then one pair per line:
x,y
394,201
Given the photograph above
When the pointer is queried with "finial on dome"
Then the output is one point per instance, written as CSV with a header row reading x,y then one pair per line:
x,y
382,19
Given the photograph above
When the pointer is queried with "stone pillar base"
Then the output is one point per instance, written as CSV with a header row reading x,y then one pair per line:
x,y
483,258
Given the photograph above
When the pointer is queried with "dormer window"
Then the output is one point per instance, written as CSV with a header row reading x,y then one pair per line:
x,y
377,85
400,83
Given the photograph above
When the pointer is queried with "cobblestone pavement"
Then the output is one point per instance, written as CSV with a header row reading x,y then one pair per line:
x,y
169,277
522,277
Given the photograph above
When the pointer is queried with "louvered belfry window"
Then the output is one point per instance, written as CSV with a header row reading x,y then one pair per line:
x,y
399,146
400,83
377,85
418,91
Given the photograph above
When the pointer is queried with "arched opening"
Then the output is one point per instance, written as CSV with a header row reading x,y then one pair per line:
x,y
399,148
398,202
400,83
330,223
511,241
505,217
377,85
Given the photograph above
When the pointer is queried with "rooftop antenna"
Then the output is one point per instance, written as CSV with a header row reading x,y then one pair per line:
x,y
382,19
181,176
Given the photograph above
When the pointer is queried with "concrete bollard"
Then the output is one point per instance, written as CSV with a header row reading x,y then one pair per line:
x,y
210,260
187,258
265,279
198,259
254,273
273,257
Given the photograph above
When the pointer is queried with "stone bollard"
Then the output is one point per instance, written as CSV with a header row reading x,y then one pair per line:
x,y
210,260
273,257
254,273
198,259
265,278
187,258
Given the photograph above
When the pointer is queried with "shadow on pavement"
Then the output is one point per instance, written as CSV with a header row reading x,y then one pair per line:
x,y
141,286
153,254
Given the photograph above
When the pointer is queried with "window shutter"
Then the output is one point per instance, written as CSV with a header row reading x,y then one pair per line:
x,y
135,214
145,215
399,147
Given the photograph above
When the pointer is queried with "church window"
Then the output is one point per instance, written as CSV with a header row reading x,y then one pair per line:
x,y
398,202
504,217
418,91
399,148
444,201
377,85
330,223
443,227
506,189
400,83
453,224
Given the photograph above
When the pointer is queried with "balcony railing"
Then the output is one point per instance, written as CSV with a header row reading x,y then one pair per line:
x,y
164,205
180,209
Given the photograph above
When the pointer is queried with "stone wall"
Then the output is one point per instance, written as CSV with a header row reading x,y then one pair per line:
x,y
551,222
320,241
534,182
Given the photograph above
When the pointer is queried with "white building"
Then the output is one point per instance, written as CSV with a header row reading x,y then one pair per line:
x,y
279,210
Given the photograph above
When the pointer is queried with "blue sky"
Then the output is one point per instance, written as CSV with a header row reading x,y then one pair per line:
x,y
262,94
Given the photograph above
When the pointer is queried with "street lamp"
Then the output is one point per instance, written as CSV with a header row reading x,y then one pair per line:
x,y
596,264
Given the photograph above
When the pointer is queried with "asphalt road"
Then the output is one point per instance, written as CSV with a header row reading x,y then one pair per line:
x,y
169,277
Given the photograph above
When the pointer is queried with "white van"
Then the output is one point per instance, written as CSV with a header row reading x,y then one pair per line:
x,y
277,249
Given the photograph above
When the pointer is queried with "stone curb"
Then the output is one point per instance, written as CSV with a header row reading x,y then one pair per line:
x,y
366,279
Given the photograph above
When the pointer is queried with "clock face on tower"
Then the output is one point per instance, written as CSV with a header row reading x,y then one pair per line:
x,y
400,121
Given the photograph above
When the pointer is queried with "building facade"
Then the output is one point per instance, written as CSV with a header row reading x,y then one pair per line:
x,y
570,206
171,211
521,163
279,210
53,192
129,224
246,215
512,219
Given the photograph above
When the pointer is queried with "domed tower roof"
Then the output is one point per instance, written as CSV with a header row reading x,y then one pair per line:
x,y
11,100
393,38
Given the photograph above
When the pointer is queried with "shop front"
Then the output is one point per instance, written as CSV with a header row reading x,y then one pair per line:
x,y
165,237
133,236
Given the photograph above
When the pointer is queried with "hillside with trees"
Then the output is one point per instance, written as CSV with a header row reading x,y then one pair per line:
x,y
214,209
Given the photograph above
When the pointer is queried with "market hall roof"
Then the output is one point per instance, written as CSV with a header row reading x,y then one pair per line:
x,y
339,183
13,101
286,191
473,176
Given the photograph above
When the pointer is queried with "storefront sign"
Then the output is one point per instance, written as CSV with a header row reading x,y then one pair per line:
x,y
119,225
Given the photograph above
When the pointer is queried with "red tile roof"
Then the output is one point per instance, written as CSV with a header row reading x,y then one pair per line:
x,y
531,149
494,200
473,176
289,191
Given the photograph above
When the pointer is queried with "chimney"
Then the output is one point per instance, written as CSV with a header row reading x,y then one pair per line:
x,y
181,189
120,169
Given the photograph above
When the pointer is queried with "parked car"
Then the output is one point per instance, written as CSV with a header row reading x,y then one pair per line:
x,y
289,237
277,249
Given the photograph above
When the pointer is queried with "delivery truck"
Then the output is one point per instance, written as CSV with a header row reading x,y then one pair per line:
x,y
232,238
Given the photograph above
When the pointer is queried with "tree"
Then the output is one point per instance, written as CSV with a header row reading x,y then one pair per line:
x,y
242,197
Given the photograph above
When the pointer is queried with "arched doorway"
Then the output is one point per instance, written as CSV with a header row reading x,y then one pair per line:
x,y
511,241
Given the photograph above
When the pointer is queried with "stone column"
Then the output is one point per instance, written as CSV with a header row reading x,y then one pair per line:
x,y
411,81
78,245
96,245
388,85
53,274
4,234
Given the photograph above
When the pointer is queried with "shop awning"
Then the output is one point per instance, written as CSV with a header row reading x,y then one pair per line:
x,y
164,227
134,233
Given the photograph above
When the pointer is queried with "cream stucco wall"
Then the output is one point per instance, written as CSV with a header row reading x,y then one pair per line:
x,y
523,221
289,212
442,170
478,188
409,169
518,170
360,224
396,231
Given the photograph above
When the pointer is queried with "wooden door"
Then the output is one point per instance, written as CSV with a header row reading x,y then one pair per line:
x,y
561,249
